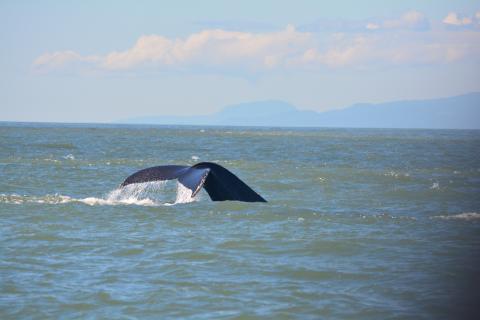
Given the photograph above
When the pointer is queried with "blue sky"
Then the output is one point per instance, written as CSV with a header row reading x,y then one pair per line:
x,y
93,61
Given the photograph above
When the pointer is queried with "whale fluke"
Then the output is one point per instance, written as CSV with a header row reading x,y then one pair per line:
x,y
219,183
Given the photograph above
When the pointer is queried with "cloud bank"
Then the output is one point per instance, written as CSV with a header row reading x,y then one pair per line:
x,y
411,20
455,20
408,39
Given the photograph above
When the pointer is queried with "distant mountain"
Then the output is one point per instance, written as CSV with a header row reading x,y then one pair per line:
x,y
459,112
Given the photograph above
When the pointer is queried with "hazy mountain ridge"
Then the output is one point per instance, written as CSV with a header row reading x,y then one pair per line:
x,y
458,112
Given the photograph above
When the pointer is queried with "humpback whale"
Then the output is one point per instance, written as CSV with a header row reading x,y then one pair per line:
x,y
220,183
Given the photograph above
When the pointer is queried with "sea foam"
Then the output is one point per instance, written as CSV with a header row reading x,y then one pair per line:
x,y
461,216
142,194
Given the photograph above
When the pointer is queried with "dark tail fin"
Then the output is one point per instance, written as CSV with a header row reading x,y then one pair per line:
x,y
222,185
219,183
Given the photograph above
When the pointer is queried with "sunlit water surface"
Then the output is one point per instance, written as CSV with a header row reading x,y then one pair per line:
x,y
360,224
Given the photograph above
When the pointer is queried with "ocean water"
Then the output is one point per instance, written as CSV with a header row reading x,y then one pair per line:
x,y
360,224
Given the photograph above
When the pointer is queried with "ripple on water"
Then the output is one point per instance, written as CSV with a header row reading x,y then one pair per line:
x,y
359,224
128,252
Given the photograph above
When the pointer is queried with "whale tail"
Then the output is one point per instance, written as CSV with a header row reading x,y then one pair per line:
x,y
220,183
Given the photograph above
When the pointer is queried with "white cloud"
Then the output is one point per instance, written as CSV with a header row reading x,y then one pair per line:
x,y
212,48
372,26
343,51
455,20
57,59
248,52
404,48
62,59
411,20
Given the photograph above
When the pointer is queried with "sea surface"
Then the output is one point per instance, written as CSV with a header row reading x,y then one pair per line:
x,y
359,224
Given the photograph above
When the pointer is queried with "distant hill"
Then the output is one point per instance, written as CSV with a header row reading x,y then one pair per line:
x,y
459,112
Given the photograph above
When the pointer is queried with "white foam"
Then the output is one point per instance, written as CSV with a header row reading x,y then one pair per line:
x,y
60,199
435,186
92,201
142,194
47,199
51,160
12,198
461,216
396,174
69,157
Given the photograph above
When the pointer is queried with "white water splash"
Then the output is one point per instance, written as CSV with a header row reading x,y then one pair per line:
x,y
61,199
147,194
92,201
184,195
138,191
397,174
47,199
461,216
435,186
142,194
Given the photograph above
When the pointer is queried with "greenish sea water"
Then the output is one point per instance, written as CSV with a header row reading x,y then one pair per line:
x,y
360,224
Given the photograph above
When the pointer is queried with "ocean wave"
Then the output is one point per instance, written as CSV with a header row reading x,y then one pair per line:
x,y
461,216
